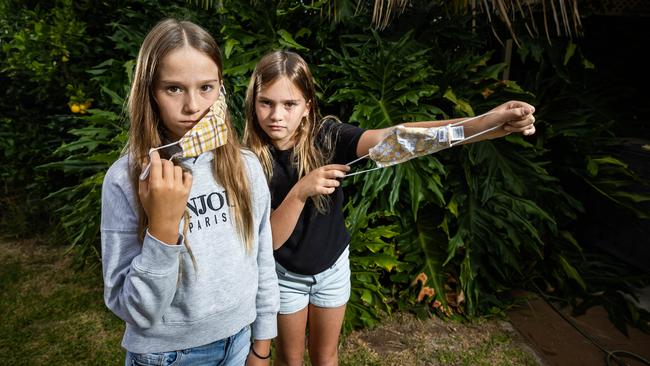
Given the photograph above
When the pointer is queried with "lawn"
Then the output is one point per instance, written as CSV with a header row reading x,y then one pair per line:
x,y
54,315
51,314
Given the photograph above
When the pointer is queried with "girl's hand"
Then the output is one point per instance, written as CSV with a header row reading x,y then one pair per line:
x,y
320,181
164,197
517,117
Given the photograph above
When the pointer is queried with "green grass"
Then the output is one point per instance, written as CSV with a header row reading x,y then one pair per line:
x,y
52,315
496,350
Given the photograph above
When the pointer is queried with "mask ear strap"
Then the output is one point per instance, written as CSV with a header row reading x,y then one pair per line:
x,y
362,171
145,172
355,160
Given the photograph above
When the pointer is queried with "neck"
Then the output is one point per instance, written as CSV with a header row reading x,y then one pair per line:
x,y
283,145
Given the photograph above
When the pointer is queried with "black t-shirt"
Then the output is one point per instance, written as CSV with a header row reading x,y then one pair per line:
x,y
318,239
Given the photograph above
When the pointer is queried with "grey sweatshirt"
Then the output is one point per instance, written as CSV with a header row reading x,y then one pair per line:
x,y
166,303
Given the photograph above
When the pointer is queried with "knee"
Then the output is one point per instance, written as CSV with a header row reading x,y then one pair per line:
x,y
320,358
295,358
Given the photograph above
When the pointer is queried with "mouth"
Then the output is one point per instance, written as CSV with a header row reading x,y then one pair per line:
x,y
276,127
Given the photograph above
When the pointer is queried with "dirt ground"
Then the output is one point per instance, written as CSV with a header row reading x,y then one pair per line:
x,y
534,334
405,340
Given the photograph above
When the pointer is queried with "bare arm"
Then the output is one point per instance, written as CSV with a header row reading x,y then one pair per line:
x,y
285,217
515,116
318,181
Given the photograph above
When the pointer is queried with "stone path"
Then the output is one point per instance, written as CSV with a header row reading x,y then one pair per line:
x,y
556,342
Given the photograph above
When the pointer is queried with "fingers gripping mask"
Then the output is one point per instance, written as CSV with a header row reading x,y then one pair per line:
x,y
405,143
208,134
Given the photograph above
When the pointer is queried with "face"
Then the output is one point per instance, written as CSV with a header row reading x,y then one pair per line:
x,y
186,86
280,108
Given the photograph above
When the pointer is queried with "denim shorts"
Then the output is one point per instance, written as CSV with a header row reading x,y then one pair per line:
x,y
231,351
328,289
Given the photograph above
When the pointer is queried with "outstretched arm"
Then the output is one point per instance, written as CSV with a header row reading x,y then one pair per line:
x,y
514,116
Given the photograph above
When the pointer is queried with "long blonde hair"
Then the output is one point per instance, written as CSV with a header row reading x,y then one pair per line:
x,y
147,130
307,155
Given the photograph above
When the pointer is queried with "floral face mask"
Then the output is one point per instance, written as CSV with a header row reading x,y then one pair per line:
x,y
405,143
208,134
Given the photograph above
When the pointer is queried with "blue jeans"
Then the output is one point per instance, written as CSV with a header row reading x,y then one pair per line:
x,y
231,351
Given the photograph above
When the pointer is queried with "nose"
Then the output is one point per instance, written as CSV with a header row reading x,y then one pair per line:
x,y
191,103
276,113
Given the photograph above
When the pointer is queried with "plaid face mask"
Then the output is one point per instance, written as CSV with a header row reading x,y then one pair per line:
x,y
208,134
405,143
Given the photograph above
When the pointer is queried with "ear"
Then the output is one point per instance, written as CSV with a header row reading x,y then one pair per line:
x,y
305,114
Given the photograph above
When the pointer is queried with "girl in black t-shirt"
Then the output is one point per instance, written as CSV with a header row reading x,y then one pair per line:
x,y
303,157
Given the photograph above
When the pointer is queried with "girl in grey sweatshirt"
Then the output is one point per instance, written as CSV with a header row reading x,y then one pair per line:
x,y
186,250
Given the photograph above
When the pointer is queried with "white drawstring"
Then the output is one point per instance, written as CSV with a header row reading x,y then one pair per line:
x,y
363,171
354,161
145,172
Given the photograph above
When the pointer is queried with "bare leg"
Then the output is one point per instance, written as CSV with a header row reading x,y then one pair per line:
x,y
324,329
290,342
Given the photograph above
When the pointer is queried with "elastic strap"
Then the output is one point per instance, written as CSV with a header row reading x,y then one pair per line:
x,y
258,356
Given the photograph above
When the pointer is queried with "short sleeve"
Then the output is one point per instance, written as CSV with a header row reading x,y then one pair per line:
x,y
341,139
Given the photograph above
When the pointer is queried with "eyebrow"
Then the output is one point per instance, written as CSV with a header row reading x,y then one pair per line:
x,y
263,98
178,82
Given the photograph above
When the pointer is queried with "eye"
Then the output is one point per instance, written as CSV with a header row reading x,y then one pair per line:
x,y
207,88
265,103
289,105
173,89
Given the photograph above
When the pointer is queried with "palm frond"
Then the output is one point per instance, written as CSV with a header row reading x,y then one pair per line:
x,y
565,15
385,10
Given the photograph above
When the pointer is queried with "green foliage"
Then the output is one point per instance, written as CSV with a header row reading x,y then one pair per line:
x,y
372,255
37,46
97,146
389,78
41,46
